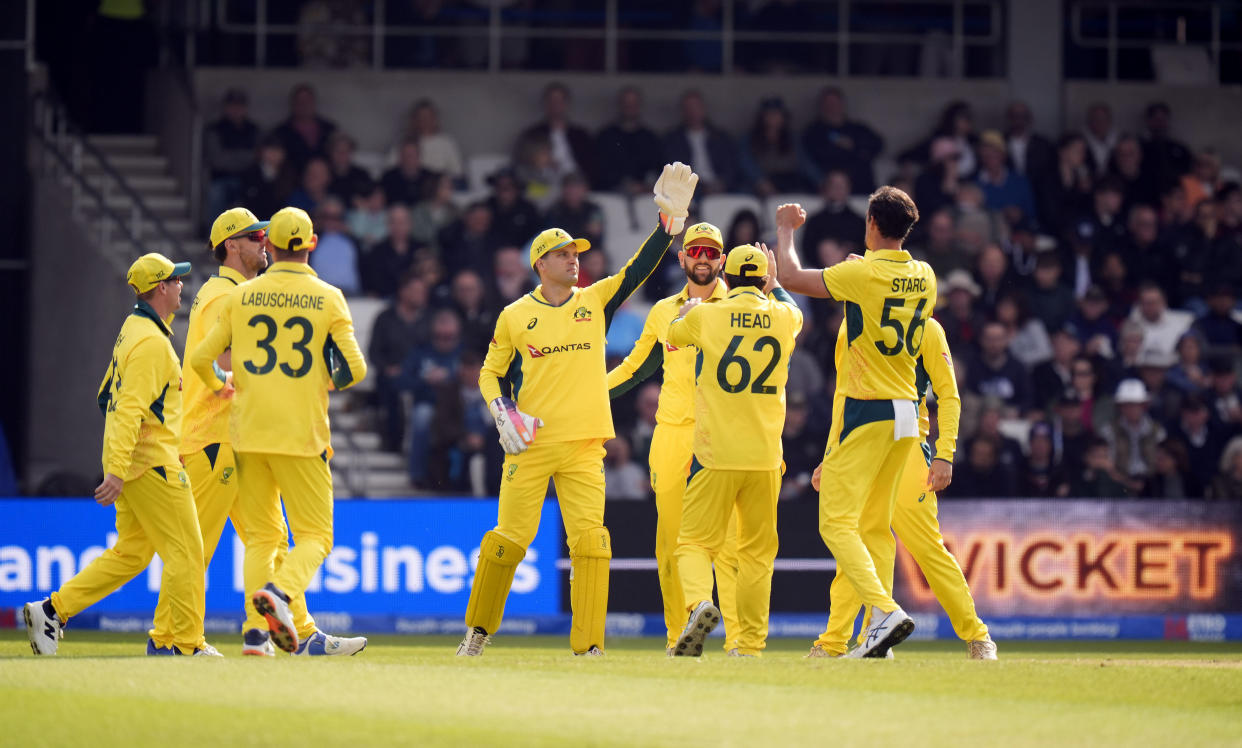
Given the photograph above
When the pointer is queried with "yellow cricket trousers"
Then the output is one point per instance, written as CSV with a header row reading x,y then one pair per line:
x,y
154,514
858,487
305,486
672,448
212,472
711,496
916,526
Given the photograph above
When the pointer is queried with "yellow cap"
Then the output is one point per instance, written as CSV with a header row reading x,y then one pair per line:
x,y
232,222
746,261
148,270
702,233
550,240
291,229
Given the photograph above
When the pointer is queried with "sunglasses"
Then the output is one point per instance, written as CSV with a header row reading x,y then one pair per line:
x,y
700,251
254,236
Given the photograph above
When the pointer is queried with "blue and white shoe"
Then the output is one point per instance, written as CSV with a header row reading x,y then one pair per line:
x,y
273,605
155,651
206,651
44,631
886,631
256,643
319,643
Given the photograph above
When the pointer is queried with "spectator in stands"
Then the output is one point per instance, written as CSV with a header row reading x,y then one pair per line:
x,y
572,147
1100,136
304,134
936,186
1163,397
1166,159
1223,394
975,225
1175,209
427,369
1218,326
229,146
1228,482
514,219
382,268
575,213
536,172
994,373
1162,327
1065,190
833,141
349,181
335,258
320,43
1050,378
630,153
397,330
461,439
1041,475
957,122
511,276
438,151
835,220
367,218
1096,332
1132,435
981,476
1030,154
743,230
433,215
1138,183
994,276
624,477
1051,301
469,241
1146,257
1004,190
469,300
939,245
802,449
1188,373
1096,406
1071,432
1203,182
961,321
409,182
314,189
1229,201
1195,252
1098,478
645,405
708,149
267,184
770,157
1028,338
1203,435
1008,451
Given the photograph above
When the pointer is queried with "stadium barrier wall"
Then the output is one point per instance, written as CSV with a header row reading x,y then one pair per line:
x,y
1039,569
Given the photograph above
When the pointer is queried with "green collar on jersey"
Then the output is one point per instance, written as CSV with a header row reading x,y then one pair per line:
x,y
746,289
891,255
143,309
292,267
230,275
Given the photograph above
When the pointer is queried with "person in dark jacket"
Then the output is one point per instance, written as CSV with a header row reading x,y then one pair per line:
x,y
706,148
630,153
833,141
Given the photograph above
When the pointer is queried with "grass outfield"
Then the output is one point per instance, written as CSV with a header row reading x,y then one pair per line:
x,y
530,691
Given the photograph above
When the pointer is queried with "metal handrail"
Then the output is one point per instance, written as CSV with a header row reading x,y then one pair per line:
x,y
1112,42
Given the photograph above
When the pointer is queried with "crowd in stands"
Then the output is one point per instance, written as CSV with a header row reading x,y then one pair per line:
x,y
1089,282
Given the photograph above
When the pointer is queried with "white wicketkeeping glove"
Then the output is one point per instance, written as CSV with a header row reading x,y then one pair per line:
x,y
517,430
673,192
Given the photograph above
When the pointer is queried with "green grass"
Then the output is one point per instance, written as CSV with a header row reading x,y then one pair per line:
x,y
530,691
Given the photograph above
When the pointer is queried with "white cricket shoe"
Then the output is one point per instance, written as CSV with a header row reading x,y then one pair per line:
x,y
982,649
472,646
594,651
735,652
207,651
256,643
44,632
703,619
273,605
886,631
319,643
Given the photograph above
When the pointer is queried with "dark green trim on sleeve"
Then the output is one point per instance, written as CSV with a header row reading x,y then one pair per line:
x,y
338,367
105,392
513,377
853,322
698,365
157,407
781,295
927,453
921,379
655,358
640,267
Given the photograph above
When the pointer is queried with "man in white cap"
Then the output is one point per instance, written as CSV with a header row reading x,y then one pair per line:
x,y
1133,434
143,477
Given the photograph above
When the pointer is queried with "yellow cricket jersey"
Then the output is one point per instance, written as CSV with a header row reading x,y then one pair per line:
x,y
551,358
744,343
653,351
140,397
292,339
888,298
934,366
206,418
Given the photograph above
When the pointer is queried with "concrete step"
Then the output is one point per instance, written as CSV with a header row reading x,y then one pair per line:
x,y
369,460
140,143
168,205
129,164
178,226
154,184
385,483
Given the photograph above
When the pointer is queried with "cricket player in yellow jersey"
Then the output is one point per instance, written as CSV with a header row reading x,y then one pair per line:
x,y
672,443
292,339
545,381
207,448
888,297
914,516
140,398
744,343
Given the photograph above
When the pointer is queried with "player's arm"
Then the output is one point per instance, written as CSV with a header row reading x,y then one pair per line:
x,y
647,356
503,364
202,360
938,363
790,273
132,403
686,327
673,192
341,352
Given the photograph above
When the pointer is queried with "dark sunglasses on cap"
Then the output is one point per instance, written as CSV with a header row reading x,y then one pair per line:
x,y
702,251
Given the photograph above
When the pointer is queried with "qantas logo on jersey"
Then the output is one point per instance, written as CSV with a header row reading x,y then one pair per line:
x,y
669,347
947,359
550,349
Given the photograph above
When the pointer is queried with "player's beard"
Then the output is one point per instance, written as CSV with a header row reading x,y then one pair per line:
x,y
700,274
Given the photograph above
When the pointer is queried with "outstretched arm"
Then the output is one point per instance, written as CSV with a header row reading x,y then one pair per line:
x,y
789,270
